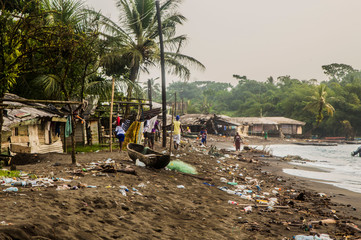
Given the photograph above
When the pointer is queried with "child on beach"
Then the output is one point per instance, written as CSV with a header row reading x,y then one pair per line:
x,y
203,134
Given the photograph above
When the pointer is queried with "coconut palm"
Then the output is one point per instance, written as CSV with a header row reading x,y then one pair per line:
x,y
68,12
319,104
133,41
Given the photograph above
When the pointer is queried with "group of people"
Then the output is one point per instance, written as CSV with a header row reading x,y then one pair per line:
x,y
151,133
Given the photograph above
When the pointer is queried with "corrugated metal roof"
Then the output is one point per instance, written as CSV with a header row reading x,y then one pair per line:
x,y
266,121
284,120
24,113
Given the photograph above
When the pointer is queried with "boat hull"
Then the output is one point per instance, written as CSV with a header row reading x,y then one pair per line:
x,y
148,156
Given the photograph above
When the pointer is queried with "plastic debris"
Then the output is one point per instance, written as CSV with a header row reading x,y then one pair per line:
x,y
222,179
182,167
11,189
248,209
305,237
139,163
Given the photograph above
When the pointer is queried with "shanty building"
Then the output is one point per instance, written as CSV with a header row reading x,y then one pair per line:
x,y
31,128
274,126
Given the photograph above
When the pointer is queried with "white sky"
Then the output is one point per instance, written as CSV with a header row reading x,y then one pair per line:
x,y
263,38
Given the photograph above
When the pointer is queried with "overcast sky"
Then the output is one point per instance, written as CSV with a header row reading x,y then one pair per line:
x,y
263,38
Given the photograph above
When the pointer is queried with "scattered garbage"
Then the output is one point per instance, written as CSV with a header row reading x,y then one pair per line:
x,y
141,185
5,223
208,184
180,186
139,163
222,179
123,190
315,237
248,209
322,194
232,202
62,187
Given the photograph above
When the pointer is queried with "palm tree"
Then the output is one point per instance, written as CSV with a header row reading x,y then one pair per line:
x,y
68,12
75,57
319,104
134,40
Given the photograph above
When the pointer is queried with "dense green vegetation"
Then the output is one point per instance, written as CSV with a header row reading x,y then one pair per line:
x,y
59,49
330,108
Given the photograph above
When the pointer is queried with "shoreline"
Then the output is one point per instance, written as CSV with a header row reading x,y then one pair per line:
x,y
339,195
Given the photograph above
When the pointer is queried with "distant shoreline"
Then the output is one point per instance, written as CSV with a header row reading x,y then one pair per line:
x,y
340,195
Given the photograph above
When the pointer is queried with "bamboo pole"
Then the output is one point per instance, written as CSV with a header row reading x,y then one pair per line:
x,y
171,133
40,101
111,117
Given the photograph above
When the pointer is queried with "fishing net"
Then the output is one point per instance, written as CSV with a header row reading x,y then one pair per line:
x,y
182,167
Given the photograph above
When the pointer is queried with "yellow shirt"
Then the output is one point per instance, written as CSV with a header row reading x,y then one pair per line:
x,y
176,125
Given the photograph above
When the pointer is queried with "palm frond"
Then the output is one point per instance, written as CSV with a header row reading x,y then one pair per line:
x,y
50,84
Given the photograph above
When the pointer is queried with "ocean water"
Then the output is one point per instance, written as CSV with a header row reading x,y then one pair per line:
x,y
337,166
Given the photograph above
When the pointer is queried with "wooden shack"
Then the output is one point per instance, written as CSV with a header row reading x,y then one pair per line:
x,y
31,128
274,126
215,124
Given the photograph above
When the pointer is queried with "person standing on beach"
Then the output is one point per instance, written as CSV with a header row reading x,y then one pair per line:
x,y
177,128
146,130
119,131
237,141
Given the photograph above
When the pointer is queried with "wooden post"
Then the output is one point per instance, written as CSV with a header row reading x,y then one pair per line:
x,y
175,104
65,145
182,106
171,133
111,118
150,94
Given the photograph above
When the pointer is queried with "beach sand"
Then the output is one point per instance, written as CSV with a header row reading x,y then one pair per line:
x,y
163,204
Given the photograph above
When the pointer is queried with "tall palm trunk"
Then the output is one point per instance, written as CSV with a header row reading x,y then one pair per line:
x,y
1,124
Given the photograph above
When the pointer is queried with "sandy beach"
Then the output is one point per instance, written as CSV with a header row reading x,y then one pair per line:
x,y
87,201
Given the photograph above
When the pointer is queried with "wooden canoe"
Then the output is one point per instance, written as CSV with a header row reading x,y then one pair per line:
x,y
148,156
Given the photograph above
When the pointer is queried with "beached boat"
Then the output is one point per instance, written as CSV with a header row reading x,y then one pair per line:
x,y
148,156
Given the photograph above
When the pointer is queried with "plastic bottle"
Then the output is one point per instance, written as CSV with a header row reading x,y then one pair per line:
x,y
230,191
232,202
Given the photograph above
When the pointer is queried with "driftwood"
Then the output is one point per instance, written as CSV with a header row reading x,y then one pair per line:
x,y
127,170
253,205
353,227
327,221
198,177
